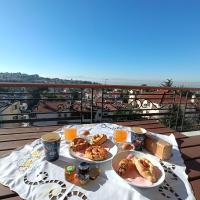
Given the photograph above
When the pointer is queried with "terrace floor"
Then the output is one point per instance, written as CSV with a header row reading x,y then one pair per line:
x,y
11,138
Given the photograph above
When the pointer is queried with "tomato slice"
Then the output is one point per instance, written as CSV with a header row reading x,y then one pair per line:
x,y
144,163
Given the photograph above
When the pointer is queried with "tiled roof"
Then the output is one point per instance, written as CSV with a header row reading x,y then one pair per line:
x,y
51,106
162,97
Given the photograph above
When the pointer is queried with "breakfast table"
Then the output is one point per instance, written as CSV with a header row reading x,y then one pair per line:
x,y
27,172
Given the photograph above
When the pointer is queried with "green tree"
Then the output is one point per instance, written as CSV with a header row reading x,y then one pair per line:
x,y
35,96
171,119
167,83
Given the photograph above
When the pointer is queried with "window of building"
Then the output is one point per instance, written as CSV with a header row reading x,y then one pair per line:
x,y
144,105
15,117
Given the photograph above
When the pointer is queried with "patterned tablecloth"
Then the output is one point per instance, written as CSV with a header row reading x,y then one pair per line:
x,y
26,172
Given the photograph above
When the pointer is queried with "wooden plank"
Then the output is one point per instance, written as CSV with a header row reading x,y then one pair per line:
x,y
189,141
13,198
5,131
5,152
190,153
166,131
137,123
195,186
14,137
154,125
5,192
26,130
193,169
179,135
14,144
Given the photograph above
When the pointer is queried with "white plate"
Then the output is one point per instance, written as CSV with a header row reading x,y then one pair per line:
x,y
137,180
112,151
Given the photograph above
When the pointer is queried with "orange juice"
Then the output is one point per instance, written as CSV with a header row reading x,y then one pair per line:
x,y
120,135
70,133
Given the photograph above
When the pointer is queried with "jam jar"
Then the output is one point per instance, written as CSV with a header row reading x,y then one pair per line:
x,y
83,172
70,171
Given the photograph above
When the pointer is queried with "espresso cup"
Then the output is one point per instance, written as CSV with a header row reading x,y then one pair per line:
x,y
51,144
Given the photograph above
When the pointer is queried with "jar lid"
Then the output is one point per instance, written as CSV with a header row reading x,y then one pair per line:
x,y
70,168
84,166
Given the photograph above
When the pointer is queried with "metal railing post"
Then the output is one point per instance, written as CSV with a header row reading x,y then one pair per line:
x,y
81,105
102,99
174,95
184,110
177,115
92,106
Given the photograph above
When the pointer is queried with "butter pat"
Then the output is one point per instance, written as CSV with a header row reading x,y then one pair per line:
x,y
158,147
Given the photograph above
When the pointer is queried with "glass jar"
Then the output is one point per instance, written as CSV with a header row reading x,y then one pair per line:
x,y
70,171
83,172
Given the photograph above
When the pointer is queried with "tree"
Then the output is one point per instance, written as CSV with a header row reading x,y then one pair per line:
x,y
167,83
146,90
35,96
173,118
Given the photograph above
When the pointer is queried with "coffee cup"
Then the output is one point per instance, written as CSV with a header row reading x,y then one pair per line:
x,y
51,144
137,137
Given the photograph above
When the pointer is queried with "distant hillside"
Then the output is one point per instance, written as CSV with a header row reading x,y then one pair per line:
x,y
35,78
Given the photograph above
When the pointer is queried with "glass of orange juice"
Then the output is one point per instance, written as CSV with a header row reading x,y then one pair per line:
x,y
120,135
70,133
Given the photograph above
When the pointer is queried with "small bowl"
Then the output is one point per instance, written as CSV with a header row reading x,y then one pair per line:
x,y
138,130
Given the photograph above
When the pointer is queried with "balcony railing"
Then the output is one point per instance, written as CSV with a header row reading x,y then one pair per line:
x,y
40,104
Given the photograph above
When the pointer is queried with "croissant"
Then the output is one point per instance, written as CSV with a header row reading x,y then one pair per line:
x,y
145,169
98,139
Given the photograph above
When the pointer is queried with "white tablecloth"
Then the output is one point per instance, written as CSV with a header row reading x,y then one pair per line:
x,y
26,172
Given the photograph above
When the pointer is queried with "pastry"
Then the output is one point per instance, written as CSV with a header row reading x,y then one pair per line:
x,y
98,139
145,169
124,166
96,153
86,133
126,146
79,144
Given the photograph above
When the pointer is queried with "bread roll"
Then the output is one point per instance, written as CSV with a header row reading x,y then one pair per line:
x,y
158,147
86,133
126,146
145,169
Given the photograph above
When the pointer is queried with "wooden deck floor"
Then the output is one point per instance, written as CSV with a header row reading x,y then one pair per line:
x,y
11,138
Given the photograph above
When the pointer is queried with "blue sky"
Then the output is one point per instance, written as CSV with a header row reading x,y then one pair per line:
x,y
101,39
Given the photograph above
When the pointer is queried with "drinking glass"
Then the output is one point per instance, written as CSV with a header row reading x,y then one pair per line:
x,y
120,135
70,134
